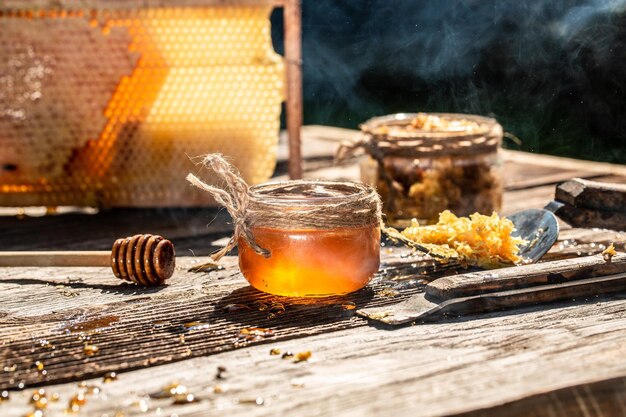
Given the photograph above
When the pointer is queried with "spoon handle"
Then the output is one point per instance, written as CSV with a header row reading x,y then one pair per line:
x,y
553,272
582,290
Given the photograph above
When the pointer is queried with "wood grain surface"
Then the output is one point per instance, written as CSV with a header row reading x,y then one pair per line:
x,y
428,370
135,327
563,359
582,216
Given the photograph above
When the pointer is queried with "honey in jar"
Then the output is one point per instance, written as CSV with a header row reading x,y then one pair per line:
x,y
303,238
311,262
323,238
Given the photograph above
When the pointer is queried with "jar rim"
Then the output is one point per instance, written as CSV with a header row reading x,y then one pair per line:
x,y
307,192
316,204
403,119
380,142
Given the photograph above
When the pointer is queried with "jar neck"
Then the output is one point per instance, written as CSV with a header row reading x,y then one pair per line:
x,y
393,136
312,204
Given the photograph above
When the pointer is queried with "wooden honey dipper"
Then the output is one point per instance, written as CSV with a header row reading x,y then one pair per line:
x,y
146,260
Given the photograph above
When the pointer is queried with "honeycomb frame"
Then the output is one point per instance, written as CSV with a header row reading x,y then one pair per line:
x,y
107,104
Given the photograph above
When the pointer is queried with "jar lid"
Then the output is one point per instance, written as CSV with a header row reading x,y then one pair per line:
x,y
430,134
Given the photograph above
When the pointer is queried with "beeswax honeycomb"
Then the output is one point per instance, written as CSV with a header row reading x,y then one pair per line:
x,y
105,107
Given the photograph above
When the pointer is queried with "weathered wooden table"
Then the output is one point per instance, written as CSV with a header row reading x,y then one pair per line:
x,y
565,359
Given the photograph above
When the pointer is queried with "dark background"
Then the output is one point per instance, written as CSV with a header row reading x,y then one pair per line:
x,y
551,71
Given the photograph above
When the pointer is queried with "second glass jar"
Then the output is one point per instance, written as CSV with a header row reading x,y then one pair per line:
x,y
420,173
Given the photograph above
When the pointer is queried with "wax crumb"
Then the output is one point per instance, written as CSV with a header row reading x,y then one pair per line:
x,y
609,253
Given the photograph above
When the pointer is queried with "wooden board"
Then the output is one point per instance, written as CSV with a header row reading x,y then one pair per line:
x,y
426,370
72,306
602,398
562,360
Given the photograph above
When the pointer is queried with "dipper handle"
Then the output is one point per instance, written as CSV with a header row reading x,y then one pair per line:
x,y
146,260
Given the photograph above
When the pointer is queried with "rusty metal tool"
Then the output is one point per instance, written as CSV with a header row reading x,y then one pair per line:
x,y
508,288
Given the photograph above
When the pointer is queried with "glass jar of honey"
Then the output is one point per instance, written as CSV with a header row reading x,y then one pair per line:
x,y
321,237
422,164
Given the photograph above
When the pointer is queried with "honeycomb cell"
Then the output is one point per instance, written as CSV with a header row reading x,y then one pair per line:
x,y
105,105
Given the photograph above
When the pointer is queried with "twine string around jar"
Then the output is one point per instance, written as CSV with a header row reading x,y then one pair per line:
x,y
300,204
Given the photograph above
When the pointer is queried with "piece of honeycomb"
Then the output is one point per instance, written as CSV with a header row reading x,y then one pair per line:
x,y
485,241
106,107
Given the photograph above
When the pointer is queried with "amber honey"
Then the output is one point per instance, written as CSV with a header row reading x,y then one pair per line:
x,y
312,262
300,238
131,90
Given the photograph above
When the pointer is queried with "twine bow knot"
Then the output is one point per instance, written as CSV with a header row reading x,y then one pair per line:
x,y
234,197
289,205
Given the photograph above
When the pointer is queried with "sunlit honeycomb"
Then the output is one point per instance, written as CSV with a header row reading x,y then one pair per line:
x,y
106,107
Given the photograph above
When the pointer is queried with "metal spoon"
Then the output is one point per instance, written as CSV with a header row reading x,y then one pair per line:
x,y
537,226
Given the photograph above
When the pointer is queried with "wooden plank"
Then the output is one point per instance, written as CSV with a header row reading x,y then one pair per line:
x,y
525,180
435,369
586,217
539,196
592,194
67,305
580,242
603,168
518,200
599,398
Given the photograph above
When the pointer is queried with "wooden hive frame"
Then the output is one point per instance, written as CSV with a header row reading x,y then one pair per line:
x,y
292,48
